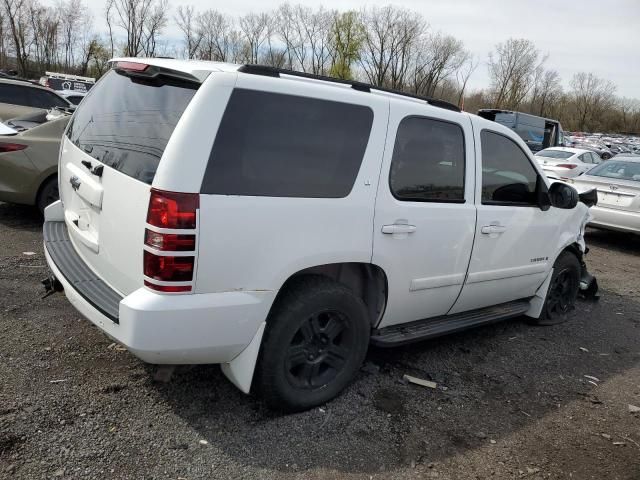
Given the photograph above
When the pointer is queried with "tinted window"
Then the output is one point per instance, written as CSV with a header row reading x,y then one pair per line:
x,y
507,175
126,122
595,158
43,99
14,94
428,161
278,145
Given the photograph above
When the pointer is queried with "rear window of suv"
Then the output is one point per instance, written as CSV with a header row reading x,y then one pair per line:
x,y
271,144
126,122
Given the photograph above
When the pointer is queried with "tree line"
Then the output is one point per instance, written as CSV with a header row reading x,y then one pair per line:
x,y
386,46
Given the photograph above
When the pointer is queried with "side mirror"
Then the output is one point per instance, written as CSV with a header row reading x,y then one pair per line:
x,y
563,196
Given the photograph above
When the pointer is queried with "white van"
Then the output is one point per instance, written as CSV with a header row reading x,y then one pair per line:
x,y
278,223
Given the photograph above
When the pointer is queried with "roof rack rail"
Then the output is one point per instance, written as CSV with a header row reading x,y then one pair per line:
x,y
269,71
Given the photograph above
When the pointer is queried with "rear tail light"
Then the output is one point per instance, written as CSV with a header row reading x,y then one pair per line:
x,y
570,166
172,209
11,147
168,268
170,241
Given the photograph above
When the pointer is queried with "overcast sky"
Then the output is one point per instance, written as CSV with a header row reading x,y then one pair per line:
x,y
599,36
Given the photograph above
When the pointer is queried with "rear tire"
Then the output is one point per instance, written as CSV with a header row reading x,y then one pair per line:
x,y
316,340
563,290
48,194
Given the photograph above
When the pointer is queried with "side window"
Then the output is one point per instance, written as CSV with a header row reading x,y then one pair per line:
x,y
508,178
277,145
14,94
44,99
428,161
595,158
585,157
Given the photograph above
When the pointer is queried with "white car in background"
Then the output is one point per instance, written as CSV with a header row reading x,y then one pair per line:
x,y
618,184
564,162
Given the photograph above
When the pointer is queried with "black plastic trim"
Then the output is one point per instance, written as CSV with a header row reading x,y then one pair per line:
x,y
75,271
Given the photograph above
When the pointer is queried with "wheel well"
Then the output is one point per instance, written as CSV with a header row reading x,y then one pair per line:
x,y
575,249
366,280
42,183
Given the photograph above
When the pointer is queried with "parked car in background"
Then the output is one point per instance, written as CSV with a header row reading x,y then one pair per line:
x,y
18,97
29,158
537,132
334,215
618,184
565,162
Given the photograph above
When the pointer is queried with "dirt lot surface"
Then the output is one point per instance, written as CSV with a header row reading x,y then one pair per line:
x,y
513,401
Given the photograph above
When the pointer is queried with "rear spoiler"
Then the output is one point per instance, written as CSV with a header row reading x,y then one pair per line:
x,y
150,72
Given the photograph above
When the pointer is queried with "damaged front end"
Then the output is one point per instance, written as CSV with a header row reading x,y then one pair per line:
x,y
588,283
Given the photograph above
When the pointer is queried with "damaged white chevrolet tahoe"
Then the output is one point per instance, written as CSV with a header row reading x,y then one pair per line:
x,y
277,223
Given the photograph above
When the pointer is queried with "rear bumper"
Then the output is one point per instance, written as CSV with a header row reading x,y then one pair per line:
x,y
620,220
164,328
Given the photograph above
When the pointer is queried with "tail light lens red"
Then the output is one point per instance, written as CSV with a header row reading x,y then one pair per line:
x,y
570,166
170,241
172,209
168,268
11,147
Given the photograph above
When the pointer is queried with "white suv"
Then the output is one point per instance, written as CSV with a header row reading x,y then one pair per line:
x,y
278,223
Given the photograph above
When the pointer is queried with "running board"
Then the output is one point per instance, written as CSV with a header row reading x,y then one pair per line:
x,y
396,335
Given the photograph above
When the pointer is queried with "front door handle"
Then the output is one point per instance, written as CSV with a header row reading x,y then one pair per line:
x,y
398,228
493,229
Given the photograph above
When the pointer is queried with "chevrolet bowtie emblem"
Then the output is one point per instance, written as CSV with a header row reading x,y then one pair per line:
x,y
75,183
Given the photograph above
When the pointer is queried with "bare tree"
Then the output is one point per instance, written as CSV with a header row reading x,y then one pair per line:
x,y
437,58
462,77
187,21
391,34
592,96
254,28
142,21
16,13
511,69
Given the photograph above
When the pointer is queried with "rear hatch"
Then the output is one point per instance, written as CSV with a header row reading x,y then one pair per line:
x,y
109,156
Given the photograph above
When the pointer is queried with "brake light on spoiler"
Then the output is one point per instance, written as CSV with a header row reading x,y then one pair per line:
x,y
169,257
131,66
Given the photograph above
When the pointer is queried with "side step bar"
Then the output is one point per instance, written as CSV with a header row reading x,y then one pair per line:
x,y
396,335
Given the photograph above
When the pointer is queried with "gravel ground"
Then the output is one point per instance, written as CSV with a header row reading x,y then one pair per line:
x,y
513,401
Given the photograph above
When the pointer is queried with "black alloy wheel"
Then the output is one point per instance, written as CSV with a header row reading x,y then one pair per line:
x,y
318,350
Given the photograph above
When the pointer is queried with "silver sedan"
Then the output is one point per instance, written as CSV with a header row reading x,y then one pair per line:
x,y
618,184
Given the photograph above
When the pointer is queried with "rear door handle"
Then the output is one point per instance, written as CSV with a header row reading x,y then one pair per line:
x,y
398,228
493,229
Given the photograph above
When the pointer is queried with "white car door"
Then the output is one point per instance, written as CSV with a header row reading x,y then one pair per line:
x,y
425,214
514,240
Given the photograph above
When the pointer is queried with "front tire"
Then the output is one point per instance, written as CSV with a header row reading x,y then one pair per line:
x,y
563,290
316,340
